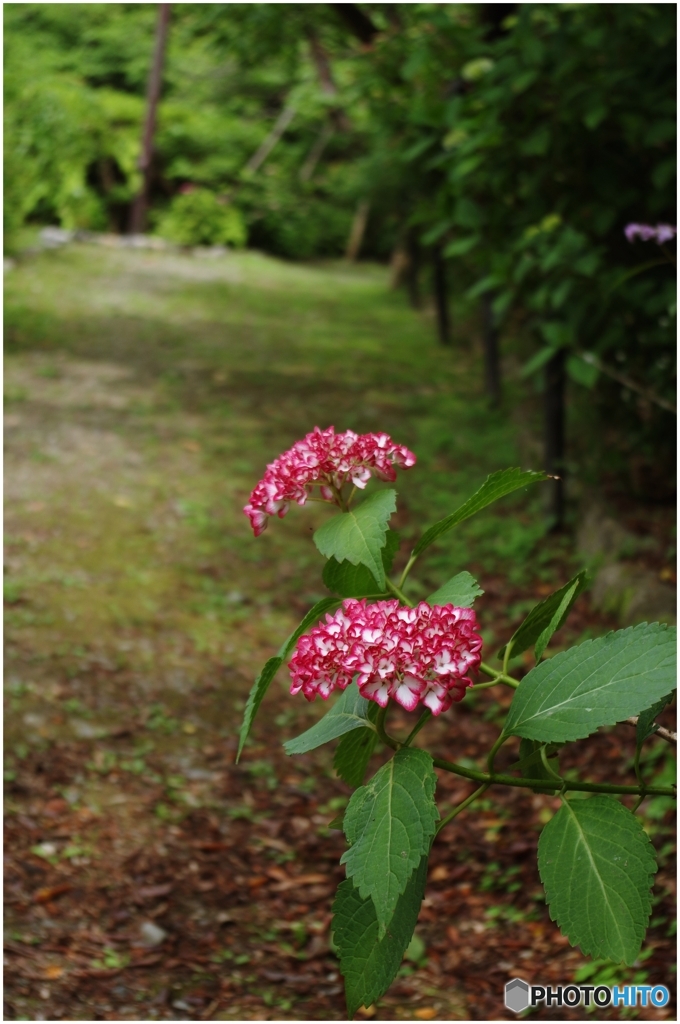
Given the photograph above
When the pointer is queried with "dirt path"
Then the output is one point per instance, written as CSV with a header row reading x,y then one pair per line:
x,y
148,877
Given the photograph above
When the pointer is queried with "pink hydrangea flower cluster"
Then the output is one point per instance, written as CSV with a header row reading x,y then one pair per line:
x,y
660,234
421,654
329,460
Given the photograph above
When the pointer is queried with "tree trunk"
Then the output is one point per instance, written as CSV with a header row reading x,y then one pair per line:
x,y
405,266
339,118
441,297
356,235
323,65
399,265
141,203
555,380
413,271
492,366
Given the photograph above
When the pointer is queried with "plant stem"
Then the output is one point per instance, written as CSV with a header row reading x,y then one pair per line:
x,y
409,566
417,727
544,759
499,677
461,807
389,741
339,500
494,750
544,784
506,659
636,764
397,592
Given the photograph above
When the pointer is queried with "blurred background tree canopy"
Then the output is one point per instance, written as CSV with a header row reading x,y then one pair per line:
x,y
493,152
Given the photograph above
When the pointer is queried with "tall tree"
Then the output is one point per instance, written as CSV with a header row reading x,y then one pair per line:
x,y
141,203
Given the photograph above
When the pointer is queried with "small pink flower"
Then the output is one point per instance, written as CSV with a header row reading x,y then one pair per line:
x,y
329,461
413,655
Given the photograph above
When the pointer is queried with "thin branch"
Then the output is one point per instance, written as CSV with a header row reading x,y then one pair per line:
x,y
282,122
651,396
666,734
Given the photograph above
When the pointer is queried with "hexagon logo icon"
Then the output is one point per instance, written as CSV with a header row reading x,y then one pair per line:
x,y
517,995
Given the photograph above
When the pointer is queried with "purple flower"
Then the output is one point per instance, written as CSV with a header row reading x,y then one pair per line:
x,y
665,233
661,233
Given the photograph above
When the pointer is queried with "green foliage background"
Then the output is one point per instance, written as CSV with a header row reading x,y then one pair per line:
x,y
521,147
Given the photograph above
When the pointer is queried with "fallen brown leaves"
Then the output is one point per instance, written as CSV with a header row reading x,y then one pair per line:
x,y
243,900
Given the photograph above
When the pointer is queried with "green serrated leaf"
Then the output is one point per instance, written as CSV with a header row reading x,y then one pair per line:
x,y
349,712
505,481
337,822
460,591
546,618
600,682
356,580
261,684
646,724
354,752
255,698
597,865
369,964
389,824
358,536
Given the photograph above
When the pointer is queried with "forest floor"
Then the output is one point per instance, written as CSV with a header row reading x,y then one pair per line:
x,y
148,876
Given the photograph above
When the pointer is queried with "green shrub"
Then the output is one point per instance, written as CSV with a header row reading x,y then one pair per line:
x,y
302,230
200,218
